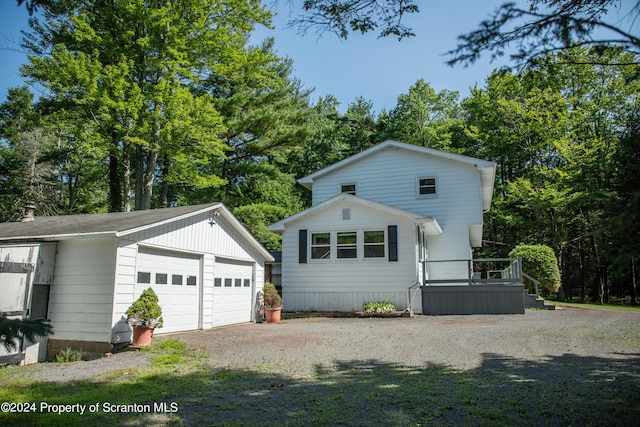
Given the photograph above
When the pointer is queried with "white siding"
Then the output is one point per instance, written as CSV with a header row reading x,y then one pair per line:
x,y
125,290
389,176
340,284
80,306
207,291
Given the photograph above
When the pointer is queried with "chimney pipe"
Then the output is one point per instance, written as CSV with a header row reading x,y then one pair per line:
x,y
28,214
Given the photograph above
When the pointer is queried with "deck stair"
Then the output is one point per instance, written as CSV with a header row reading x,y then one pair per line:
x,y
531,301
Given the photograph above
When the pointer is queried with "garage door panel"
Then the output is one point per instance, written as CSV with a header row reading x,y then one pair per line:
x,y
232,304
168,273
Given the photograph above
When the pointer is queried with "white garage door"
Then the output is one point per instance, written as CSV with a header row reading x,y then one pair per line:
x,y
175,278
232,292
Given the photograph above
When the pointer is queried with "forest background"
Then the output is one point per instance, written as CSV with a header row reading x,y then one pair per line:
x,y
149,104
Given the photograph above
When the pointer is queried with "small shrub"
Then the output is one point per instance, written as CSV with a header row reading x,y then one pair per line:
x,y
272,298
379,307
145,311
69,355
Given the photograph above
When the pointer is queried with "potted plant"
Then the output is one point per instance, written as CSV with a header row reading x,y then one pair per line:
x,y
144,316
272,303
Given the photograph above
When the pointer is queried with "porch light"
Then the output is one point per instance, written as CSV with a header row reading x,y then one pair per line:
x,y
212,217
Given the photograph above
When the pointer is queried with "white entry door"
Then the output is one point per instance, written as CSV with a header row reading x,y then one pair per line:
x,y
232,292
175,278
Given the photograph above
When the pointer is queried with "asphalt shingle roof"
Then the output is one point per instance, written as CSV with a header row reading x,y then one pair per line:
x,y
90,224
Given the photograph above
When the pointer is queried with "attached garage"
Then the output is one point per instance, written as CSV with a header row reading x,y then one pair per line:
x,y
205,267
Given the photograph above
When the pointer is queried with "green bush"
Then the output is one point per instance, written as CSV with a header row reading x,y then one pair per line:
x,y
539,262
379,307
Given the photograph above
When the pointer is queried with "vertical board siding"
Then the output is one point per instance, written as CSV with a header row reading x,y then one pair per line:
x,y
80,306
207,290
482,299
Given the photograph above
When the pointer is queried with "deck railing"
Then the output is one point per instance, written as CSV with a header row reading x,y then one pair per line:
x,y
481,271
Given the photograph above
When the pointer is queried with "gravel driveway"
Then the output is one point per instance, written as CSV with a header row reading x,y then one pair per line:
x,y
465,342
571,366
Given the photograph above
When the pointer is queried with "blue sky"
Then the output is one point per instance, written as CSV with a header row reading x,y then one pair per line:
x,y
376,69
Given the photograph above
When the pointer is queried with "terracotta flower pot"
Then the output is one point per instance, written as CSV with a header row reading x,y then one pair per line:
x,y
142,335
272,314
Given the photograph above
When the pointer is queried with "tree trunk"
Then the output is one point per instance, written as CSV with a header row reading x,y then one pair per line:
x,y
115,184
126,176
164,187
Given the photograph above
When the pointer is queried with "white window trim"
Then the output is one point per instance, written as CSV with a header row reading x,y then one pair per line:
x,y
343,184
338,245
333,245
310,246
426,196
385,243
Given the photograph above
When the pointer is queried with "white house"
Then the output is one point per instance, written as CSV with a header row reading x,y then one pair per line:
x,y
83,271
379,223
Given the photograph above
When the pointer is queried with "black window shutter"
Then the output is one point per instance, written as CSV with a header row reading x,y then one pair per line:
x,y
302,246
393,242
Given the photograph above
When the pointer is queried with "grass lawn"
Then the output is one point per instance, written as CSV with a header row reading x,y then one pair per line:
x,y
596,306
186,387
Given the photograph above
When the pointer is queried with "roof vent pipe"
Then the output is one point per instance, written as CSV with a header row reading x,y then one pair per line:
x,y
28,214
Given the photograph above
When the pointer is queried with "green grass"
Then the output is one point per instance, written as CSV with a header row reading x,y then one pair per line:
x,y
596,305
561,390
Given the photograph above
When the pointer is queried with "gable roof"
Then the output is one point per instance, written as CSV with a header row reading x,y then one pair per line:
x,y
431,224
116,224
487,169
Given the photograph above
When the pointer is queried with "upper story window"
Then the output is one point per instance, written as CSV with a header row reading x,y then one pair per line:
x,y
320,245
426,186
348,188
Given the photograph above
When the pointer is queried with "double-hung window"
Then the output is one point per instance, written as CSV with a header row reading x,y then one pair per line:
x,y
347,244
320,245
373,243
426,186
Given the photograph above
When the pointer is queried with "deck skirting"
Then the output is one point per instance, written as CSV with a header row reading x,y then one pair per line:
x,y
474,299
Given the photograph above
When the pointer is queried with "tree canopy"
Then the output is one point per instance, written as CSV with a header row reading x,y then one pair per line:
x,y
149,103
